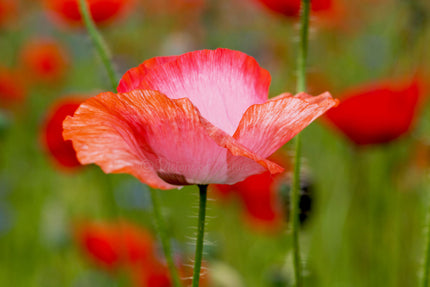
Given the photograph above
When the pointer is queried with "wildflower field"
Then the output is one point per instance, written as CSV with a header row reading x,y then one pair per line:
x,y
214,143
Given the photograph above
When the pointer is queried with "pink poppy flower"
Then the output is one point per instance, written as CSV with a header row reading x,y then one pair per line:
x,y
199,118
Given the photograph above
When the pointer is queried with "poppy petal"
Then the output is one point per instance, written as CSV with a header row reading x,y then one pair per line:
x,y
240,159
132,79
230,81
162,142
265,128
101,135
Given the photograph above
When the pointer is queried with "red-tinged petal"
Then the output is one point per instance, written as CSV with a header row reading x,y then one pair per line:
x,y
104,130
265,128
162,142
132,79
241,161
221,83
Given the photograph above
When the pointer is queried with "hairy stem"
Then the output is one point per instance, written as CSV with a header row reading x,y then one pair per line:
x,y
295,192
200,234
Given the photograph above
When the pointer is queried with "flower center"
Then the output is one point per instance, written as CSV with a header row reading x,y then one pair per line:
x,y
173,178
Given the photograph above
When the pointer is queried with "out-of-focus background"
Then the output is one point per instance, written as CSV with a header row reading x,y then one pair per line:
x,y
365,173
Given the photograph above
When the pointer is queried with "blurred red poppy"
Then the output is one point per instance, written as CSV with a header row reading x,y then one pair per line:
x,y
100,244
61,150
156,274
8,10
186,273
44,60
291,8
102,11
123,245
115,245
12,89
259,199
259,195
379,112
199,118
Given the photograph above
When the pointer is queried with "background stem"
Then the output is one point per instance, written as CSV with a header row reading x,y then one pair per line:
x,y
303,46
99,43
200,234
295,192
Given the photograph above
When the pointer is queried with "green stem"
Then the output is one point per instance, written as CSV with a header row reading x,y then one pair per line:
x,y
98,42
303,48
165,242
294,214
200,234
295,192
